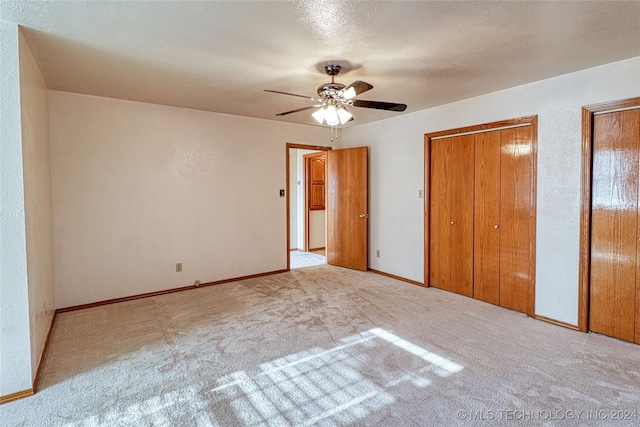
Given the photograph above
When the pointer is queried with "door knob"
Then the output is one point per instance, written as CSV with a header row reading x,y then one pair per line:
x,y
453,222
364,215
496,226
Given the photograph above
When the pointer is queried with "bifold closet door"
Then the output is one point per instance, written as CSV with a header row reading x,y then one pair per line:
x,y
503,224
451,217
486,251
516,218
614,302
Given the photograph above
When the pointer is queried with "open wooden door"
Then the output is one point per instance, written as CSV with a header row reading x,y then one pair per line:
x,y
347,208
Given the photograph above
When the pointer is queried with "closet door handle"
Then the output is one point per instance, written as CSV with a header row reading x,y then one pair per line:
x,y
453,222
496,226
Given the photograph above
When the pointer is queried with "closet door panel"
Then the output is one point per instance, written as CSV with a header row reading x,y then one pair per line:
x,y
440,239
516,218
636,119
461,217
614,224
486,258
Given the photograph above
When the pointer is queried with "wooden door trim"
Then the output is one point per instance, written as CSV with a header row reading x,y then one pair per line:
x,y
485,127
524,121
584,278
288,146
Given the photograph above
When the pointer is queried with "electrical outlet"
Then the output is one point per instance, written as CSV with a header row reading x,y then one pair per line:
x,y
196,283
178,267
377,253
420,193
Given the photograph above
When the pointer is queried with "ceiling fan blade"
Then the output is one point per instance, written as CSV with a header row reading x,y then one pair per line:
x,y
379,105
295,111
358,87
290,94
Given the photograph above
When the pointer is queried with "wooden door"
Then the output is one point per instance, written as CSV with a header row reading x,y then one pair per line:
x,y
439,215
347,208
315,173
451,214
461,199
480,182
614,225
516,219
486,242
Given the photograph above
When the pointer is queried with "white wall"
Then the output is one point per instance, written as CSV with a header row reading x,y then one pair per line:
x,y
293,198
26,251
317,229
301,218
37,200
138,187
15,345
397,172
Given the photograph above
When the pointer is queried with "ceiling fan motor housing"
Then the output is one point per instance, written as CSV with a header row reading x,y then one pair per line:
x,y
330,89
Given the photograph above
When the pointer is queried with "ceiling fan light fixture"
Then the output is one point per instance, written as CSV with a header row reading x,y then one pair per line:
x,y
344,115
319,115
331,115
349,93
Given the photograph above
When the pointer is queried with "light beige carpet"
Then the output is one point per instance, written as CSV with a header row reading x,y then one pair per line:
x,y
325,346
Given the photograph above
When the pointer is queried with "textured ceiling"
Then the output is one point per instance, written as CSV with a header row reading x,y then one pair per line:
x,y
220,56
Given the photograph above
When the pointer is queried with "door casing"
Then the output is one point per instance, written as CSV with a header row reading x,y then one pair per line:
x,y
290,146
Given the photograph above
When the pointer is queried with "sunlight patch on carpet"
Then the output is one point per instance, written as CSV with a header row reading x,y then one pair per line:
x,y
332,385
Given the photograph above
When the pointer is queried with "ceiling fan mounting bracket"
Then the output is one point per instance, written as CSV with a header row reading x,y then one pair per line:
x,y
332,69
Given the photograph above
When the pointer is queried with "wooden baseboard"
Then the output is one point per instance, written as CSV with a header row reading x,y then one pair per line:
x,y
44,354
237,279
15,396
317,249
168,291
555,322
293,249
393,276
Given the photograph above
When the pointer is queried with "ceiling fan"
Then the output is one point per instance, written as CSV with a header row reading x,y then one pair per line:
x,y
335,98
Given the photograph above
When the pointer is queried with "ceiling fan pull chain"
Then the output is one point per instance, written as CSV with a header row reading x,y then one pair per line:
x,y
334,133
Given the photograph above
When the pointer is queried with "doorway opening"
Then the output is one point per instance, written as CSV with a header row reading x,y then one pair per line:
x,y
306,213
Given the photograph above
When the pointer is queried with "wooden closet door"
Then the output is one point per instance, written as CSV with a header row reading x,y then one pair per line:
x,y
451,214
461,217
439,213
637,307
516,218
486,242
614,224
